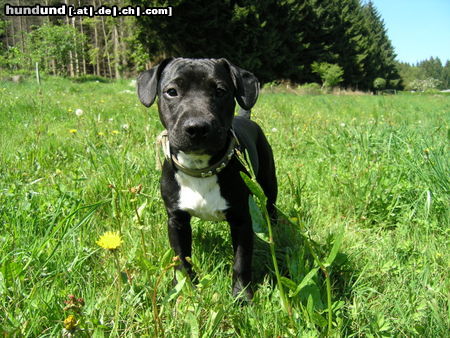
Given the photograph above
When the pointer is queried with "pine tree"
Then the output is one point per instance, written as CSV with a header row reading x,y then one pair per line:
x,y
446,76
260,36
310,21
344,38
432,68
380,62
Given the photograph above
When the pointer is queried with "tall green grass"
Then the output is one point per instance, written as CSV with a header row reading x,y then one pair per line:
x,y
377,167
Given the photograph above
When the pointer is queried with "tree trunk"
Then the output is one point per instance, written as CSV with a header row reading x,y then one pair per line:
x,y
53,63
97,48
83,47
116,53
97,51
71,68
47,18
13,32
122,50
22,37
108,57
77,65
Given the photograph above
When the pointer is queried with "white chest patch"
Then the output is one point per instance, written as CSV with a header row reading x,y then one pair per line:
x,y
200,197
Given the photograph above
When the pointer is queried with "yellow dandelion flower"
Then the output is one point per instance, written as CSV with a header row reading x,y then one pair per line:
x,y
72,131
110,240
101,134
115,132
70,322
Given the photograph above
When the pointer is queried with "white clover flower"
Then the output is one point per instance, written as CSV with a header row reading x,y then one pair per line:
x,y
125,126
79,112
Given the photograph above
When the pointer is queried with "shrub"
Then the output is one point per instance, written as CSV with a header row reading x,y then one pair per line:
x,y
12,59
330,74
310,89
379,83
425,85
90,78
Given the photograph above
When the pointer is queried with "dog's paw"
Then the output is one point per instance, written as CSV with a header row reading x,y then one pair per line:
x,y
242,292
182,272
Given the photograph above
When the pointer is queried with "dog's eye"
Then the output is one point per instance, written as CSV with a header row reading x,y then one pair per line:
x,y
172,92
220,92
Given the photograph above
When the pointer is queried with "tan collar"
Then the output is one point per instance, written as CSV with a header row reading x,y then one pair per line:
x,y
163,140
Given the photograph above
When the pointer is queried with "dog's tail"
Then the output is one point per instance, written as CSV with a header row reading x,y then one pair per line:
x,y
244,113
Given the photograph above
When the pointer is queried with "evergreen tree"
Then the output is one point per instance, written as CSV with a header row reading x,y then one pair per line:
x,y
380,62
446,76
432,68
311,33
349,41
261,36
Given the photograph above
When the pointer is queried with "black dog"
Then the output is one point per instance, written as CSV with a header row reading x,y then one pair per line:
x,y
201,175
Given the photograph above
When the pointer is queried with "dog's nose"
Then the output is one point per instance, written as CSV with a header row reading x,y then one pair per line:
x,y
197,128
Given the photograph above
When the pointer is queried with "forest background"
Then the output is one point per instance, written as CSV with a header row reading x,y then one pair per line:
x,y
294,41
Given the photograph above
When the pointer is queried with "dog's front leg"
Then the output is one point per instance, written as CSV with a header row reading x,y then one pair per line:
x,y
180,237
242,237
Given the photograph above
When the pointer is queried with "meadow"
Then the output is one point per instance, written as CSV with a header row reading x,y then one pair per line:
x,y
364,186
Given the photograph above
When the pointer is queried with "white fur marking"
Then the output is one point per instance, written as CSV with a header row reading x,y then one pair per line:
x,y
200,197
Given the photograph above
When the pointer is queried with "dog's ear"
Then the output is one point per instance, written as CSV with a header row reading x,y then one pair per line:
x,y
246,85
147,83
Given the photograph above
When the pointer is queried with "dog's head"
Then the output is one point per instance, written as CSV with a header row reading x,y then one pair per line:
x,y
196,100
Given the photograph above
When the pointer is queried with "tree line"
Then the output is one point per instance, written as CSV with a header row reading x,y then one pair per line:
x,y
276,39
280,39
425,75
77,46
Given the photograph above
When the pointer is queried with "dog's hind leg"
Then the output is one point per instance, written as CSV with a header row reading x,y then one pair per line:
x,y
242,238
267,176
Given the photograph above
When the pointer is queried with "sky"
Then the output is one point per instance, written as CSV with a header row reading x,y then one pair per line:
x,y
418,29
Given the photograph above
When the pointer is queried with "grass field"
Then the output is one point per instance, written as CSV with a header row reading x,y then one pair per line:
x,y
376,167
